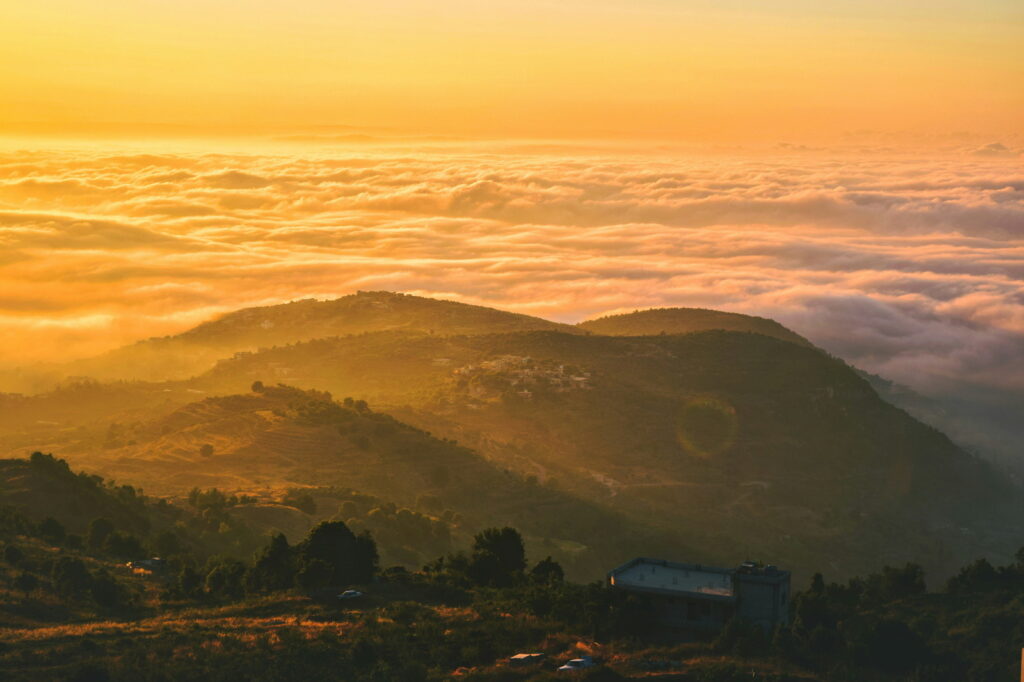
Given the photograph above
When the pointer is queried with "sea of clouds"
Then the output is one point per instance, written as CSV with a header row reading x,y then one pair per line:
x,y
908,265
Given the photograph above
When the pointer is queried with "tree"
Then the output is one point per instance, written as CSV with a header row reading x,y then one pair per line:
x,y
367,558
977,576
26,583
124,545
547,571
886,644
274,568
351,559
314,573
13,555
225,578
504,543
105,590
190,582
485,568
167,544
258,387
51,529
71,578
818,584
742,638
206,450
898,583
99,530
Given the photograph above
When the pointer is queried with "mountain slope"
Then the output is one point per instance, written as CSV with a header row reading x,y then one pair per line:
x,y
766,447
748,442
181,356
280,437
43,487
686,321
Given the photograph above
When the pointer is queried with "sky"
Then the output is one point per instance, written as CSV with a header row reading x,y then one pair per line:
x,y
682,69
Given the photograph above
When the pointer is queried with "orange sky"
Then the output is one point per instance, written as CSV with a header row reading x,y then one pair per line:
x,y
674,68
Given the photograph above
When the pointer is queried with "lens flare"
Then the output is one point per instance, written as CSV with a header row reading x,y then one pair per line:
x,y
706,426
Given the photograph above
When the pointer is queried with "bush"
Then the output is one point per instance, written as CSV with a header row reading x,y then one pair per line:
x,y
105,590
50,529
99,530
124,546
225,578
71,578
26,583
742,638
351,559
13,555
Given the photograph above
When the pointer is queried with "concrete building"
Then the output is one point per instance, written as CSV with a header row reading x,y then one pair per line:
x,y
704,597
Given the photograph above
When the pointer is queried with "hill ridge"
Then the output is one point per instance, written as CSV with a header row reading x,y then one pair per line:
x,y
683,320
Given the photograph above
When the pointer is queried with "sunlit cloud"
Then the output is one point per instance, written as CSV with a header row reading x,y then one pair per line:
x,y
908,265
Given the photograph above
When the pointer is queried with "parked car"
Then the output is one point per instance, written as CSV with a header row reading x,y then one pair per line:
x,y
350,594
577,664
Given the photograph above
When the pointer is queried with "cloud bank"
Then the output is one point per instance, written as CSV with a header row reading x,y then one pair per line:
x,y
909,266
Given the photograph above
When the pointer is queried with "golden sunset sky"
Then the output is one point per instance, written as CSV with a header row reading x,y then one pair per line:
x,y
703,69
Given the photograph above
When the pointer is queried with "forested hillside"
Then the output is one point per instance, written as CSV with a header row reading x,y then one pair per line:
x,y
277,438
746,441
686,321
737,439
182,355
325,605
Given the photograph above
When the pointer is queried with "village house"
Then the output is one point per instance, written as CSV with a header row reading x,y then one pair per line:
x,y
697,597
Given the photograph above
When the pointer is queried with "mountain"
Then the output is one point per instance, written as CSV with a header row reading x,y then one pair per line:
x,y
43,487
687,321
745,442
264,442
757,446
181,356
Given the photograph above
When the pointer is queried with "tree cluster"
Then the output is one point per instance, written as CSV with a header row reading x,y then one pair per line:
x,y
330,556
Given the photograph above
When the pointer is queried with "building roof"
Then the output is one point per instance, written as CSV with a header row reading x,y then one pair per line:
x,y
658,575
692,580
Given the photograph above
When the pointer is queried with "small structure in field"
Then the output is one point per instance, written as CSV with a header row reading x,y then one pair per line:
x,y
698,597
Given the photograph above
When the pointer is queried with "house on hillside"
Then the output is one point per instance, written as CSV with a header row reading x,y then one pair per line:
x,y
699,597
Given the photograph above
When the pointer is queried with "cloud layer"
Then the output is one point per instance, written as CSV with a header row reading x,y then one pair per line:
x,y
911,266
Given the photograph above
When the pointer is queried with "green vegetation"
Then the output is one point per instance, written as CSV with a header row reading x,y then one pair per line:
x,y
243,331
799,460
276,616
492,464
404,484
687,321
698,437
